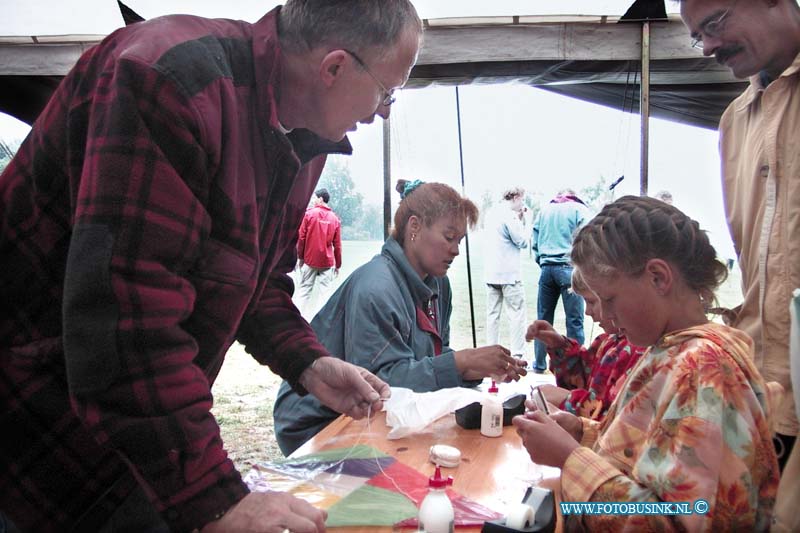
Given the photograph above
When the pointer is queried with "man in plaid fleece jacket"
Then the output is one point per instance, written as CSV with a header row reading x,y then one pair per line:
x,y
148,221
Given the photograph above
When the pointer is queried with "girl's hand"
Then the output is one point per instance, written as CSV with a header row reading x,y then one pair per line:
x,y
542,330
546,441
569,422
554,395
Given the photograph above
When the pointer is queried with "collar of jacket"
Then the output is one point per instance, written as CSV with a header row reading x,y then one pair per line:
x,y
756,87
308,145
735,342
266,57
421,291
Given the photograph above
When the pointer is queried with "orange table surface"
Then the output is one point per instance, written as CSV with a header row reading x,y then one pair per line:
x,y
493,471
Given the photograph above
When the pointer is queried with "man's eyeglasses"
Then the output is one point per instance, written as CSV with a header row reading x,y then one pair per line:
x,y
388,97
712,28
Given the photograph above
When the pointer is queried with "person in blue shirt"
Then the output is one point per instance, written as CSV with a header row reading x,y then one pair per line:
x,y
555,226
392,315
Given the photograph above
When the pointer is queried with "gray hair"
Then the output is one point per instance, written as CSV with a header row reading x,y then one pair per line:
x,y
357,25
514,192
664,196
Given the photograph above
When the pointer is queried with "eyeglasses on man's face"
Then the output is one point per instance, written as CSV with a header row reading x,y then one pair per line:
x,y
388,96
712,28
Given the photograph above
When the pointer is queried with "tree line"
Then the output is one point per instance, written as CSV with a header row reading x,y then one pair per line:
x,y
362,220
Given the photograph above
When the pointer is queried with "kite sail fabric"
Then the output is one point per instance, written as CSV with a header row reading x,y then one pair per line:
x,y
359,486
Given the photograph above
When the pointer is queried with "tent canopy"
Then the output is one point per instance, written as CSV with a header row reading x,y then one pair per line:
x,y
597,59
591,57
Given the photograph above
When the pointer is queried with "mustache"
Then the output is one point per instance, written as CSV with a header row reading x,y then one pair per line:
x,y
723,54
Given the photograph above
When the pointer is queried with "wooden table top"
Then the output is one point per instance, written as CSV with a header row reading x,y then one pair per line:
x,y
493,471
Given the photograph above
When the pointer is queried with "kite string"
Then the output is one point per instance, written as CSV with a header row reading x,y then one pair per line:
x,y
365,430
368,429
377,461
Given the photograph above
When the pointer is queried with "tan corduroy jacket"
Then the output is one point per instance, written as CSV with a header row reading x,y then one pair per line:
x,y
760,152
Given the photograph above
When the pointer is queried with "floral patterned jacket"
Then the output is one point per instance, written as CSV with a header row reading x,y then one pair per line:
x,y
593,375
689,424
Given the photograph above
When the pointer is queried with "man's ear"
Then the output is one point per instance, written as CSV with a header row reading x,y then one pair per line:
x,y
331,66
660,275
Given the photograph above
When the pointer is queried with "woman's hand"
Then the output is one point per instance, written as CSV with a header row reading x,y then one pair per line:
x,y
494,361
542,330
547,442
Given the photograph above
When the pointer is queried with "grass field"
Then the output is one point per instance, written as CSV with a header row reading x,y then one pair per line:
x,y
244,392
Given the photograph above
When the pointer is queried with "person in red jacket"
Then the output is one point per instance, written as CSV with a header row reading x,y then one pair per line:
x,y
319,253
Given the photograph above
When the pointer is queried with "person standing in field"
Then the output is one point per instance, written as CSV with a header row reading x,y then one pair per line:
x,y
505,291
319,254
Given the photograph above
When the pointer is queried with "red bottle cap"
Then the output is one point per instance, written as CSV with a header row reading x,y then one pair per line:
x,y
437,481
493,388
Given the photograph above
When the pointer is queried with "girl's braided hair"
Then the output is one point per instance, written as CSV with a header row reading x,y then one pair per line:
x,y
629,232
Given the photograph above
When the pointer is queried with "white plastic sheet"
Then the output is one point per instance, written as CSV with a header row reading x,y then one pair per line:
x,y
409,412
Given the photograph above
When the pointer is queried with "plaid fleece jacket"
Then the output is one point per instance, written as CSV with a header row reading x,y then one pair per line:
x,y
147,222
594,375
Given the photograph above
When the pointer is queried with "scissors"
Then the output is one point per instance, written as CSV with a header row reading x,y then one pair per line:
x,y
538,400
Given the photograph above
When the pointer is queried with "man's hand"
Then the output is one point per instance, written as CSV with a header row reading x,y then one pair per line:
x,y
335,272
546,441
543,331
344,387
270,512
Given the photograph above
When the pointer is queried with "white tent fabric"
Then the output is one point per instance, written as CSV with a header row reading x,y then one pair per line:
x,y
585,54
43,18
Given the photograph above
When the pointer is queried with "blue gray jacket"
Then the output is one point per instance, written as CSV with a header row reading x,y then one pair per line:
x,y
371,321
554,230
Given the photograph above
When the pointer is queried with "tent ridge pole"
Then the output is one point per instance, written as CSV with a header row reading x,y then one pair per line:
x,y
644,108
387,177
466,239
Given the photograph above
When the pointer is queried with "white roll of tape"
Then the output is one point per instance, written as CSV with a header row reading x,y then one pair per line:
x,y
444,455
519,516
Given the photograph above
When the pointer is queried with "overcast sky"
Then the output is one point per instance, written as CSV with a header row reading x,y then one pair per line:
x,y
512,134
517,135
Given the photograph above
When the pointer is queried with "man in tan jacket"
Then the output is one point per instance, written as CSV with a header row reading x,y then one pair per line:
x,y
759,136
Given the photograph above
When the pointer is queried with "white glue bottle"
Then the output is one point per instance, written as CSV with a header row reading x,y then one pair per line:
x,y
491,413
436,512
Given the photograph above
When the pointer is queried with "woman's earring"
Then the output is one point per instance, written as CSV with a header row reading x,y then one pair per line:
x,y
413,237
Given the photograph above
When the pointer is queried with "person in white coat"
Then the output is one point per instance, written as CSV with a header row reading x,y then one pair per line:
x,y
506,236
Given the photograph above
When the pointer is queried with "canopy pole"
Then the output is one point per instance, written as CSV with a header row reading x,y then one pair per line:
x,y
387,177
463,192
644,108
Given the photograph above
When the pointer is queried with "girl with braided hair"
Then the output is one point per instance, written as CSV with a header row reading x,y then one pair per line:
x,y
690,424
392,315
